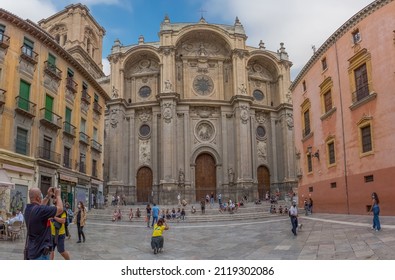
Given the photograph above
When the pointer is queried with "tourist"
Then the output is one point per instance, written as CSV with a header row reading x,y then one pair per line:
x,y
193,209
131,214
148,217
157,239
155,214
311,205
293,214
58,232
203,205
37,213
69,219
79,219
375,209
138,213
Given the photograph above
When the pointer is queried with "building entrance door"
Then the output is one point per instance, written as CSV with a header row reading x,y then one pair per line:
x,y
263,181
144,184
205,176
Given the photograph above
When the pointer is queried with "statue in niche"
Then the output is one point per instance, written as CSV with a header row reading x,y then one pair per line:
x,y
290,121
181,178
202,50
262,150
231,175
168,86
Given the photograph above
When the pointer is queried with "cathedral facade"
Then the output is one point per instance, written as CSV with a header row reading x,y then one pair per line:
x,y
198,112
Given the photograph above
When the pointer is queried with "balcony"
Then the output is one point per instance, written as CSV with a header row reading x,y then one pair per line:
x,y
29,55
360,93
25,107
47,154
96,146
85,97
50,119
69,129
84,138
71,84
67,162
52,71
4,41
2,97
97,108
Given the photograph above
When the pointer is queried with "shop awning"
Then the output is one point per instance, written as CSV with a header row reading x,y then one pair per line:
x,y
5,181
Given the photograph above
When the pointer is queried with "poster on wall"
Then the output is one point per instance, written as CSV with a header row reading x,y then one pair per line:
x,y
18,198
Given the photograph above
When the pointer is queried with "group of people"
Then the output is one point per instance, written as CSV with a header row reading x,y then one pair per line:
x,y
47,225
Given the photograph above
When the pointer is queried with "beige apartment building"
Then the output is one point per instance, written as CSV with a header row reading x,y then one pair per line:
x,y
51,107
344,116
199,112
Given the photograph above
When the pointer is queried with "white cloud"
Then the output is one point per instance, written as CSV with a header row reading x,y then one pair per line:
x,y
34,10
299,24
106,66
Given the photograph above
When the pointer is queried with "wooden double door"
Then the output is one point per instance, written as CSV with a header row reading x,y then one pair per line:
x,y
263,181
144,184
205,176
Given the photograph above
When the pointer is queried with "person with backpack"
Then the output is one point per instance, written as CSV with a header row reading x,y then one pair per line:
x,y
58,232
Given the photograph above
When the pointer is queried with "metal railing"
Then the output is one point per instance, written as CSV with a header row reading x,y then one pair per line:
x,y
84,138
25,106
71,84
4,41
96,145
360,93
47,154
306,131
52,70
67,162
85,96
97,108
50,118
69,129
28,54
21,147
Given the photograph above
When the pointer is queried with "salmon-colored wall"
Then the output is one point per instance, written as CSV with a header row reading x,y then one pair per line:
x,y
377,37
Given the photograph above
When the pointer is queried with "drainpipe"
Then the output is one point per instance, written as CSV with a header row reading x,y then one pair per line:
x,y
343,134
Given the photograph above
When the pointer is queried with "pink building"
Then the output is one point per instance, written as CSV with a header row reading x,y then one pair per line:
x,y
344,113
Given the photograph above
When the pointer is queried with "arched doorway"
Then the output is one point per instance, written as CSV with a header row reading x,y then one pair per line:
x,y
263,181
144,184
205,176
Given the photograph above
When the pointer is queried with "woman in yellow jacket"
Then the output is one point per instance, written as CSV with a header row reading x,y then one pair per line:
x,y
79,219
157,239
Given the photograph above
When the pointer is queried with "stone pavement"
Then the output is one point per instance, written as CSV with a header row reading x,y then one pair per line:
x,y
322,237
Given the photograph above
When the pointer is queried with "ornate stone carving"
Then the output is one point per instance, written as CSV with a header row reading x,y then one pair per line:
x,y
204,111
168,86
114,118
262,150
290,121
144,116
243,89
231,176
167,112
244,115
144,152
205,131
260,117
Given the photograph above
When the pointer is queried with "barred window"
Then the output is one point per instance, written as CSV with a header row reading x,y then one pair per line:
x,y
366,138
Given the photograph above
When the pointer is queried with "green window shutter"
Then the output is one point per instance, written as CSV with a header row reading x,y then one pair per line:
x,y
28,43
51,60
48,107
21,141
68,115
24,95
96,98
70,73
2,28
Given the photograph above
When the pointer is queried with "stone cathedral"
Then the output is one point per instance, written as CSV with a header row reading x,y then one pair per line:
x,y
198,112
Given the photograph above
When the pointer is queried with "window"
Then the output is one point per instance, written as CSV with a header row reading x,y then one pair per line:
x,y
96,98
70,73
66,157
83,125
145,91
47,148
258,95
366,138
324,64
27,47
94,168
327,101
21,145
82,163
333,185
331,153
311,189
361,82
51,60
369,178
356,36
24,95
306,120
67,118
95,135
48,107
309,164
2,29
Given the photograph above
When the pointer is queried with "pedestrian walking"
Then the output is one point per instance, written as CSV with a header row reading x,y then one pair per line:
x,y
155,214
203,205
79,219
375,209
148,217
293,214
157,239
38,239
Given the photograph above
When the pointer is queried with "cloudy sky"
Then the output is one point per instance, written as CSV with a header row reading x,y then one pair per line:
x,y
300,24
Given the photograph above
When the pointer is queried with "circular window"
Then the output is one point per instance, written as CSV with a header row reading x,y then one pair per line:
x,y
145,130
258,95
145,91
203,85
260,132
